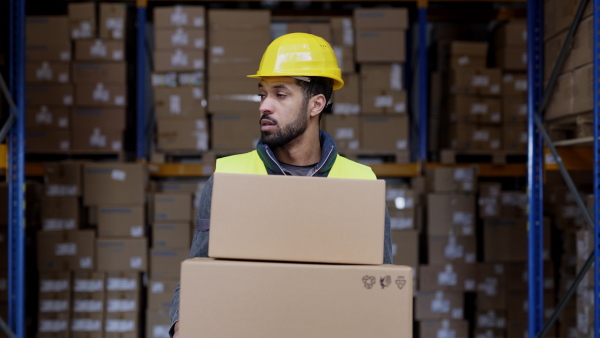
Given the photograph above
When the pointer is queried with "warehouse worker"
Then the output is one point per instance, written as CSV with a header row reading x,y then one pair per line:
x,y
297,73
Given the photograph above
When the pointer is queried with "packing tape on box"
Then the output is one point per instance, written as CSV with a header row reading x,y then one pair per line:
x,y
87,305
121,284
54,305
88,285
46,325
121,305
119,325
86,325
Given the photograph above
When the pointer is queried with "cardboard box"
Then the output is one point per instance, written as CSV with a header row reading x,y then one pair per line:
x,y
54,293
112,20
384,133
447,277
44,72
52,95
46,30
60,213
559,14
203,283
114,183
347,100
57,53
47,141
385,18
468,136
179,102
439,305
88,324
470,108
182,134
444,328
468,54
580,53
238,132
583,79
178,60
513,58
88,304
100,94
342,31
233,55
379,80
514,109
122,254
46,118
220,19
236,235
562,99
492,286
234,95
402,219
82,20
172,207
160,293
121,220
66,250
63,178
345,58
345,130
383,102
452,179
158,322
87,120
321,29
54,324
460,249
166,263
480,81
122,323
515,136
109,141
457,207
374,45
104,72
512,33
99,50
169,38
179,16
505,240
405,247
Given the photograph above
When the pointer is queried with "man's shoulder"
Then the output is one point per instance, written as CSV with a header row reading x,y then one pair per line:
x,y
354,168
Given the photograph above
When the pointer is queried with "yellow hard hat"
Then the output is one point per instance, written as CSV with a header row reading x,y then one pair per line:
x,y
300,54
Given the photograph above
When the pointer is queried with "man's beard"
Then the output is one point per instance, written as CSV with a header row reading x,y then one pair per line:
x,y
286,134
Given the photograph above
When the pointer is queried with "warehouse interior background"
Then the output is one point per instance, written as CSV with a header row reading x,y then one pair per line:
x,y
124,106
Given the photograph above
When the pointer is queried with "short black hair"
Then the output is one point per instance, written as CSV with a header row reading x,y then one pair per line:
x,y
317,85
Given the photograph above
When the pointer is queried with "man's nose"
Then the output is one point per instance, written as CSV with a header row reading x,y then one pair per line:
x,y
266,106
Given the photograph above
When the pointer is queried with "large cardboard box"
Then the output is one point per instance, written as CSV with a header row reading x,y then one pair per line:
x,y
212,289
100,94
66,250
514,136
475,109
505,240
60,213
44,72
122,254
514,109
345,130
52,95
479,81
451,213
468,54
109,141
166,263
104,72
99,50
236,132
160,293
562,99
158,323
385,18
347,100
179,102
178,60
180,37
447,277
461,249
114,183
384,133
470,136
512,33
452,179
242,235
172,207
46,118
233,95
373,45
581,51
82,20
188,133
405,247
87,120
583,89
439,305
179,16
444,328
46,30
513,58
112,20
382,88
63,178
121,220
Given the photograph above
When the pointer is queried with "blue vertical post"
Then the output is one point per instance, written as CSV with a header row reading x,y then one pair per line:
x,y
535,169
596,209
423,79
141,64
16,173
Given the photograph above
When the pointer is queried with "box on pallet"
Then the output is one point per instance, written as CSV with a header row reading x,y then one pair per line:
x,y
60,213
237,132
47,30
448,249
480,81
100,72
505,240
82,20
172,207
45,72
114,183
63,178
179,102
160,293
382,88
47,141
100,94
180,37
66,250
99,50
233,95
457,207
469,136
345,130
97,140
468,54
51,95
405,247
437,305
88,303
386,133
188,133
514,136
380,34
166,263
47,118
158,322
178,60
447,277
171,235
87,120
121,220
385,290
179,16
347,100
471,108
122,254
444,328
514,109
452,179
113,18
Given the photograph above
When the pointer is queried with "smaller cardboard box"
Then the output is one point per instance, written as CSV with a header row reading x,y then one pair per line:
x,y
383,18
505,240
447,277
166,263
99,50
171,235
239,132
477,81
103,72
121,220
444,328
179,16
405,247
114,183
238,287
47,118
452,179
387,133
179,102
514,109
51,95
468,54
451,213
461,249
160,293
158,322
172,207
66,250
178,60
122,254
180,37
108,141
100,94
380,45
47,141
82,20
189,133
87,120
475,109
240,235
515,136
345,130
113,18
63,178
45,72
435,305
60,213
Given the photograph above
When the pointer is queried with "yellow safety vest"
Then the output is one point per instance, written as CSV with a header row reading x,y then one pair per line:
x,y
250,163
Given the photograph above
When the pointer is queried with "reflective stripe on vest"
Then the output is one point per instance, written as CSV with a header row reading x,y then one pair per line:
x,y
250,163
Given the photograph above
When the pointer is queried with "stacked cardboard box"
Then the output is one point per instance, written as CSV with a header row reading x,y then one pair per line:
x,y
179,78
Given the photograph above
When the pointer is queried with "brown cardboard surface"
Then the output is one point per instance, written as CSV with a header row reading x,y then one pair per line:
x,y
345,130
237,132
443,328
514,109
160,293
450,212
99,50
82,20
53,324
439,305
385,290
442,250
383,102
468,54
512,33
402,218
347,100
46,141
178,60
239,19
559,14
51,95
188,133
342,31
513,58
380,45
452,179
172,207
46,118
389,18
470,108
60,213
583,89
89,324
122,254
109,141
105,72
447,277
179,102
44,72
234,95
514,136
405,247
121,220
112,20
43,30
100,94
171,235
345,57
514,84
49,52
179,16
180,37
481,81
242,235
89,119
384,132
114,183
382,76
65,250
470,136
505,240
562,100
158,322
63,178
580,53
166,263
232,54
123,324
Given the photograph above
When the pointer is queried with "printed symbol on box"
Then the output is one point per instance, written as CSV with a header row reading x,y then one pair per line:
x,y
385,281
448,276
480,81
43,116
137,231
68,100
63,122
44,72
98,49
198,63
97,139
65,56
179,17
457,313
179,59
368,281
439,304
117,54
198,22
85,262
400,282
179,38
119,100
199,43
135,262
463,60
158,287
100,93
453,250
118,175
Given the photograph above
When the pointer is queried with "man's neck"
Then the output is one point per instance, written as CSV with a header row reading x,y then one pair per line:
x,y
305,150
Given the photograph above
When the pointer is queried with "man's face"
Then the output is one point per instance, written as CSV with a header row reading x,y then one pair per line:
x,y
284,115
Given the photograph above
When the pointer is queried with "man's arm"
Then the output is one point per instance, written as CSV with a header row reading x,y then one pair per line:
x,y
199,247
387,240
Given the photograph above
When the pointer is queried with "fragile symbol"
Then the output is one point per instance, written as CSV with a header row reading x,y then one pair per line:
x,y
400,281
385,281
368,281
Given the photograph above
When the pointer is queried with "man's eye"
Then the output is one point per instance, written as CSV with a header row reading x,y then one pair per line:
x,y
262,96
281,95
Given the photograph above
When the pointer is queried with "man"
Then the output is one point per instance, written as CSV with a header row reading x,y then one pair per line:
x,y
298,73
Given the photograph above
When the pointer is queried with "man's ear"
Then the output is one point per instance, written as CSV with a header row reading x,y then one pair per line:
x,y
317,104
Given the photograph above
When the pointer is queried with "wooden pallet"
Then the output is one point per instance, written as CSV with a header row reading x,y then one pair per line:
x,y
580,126
449,156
